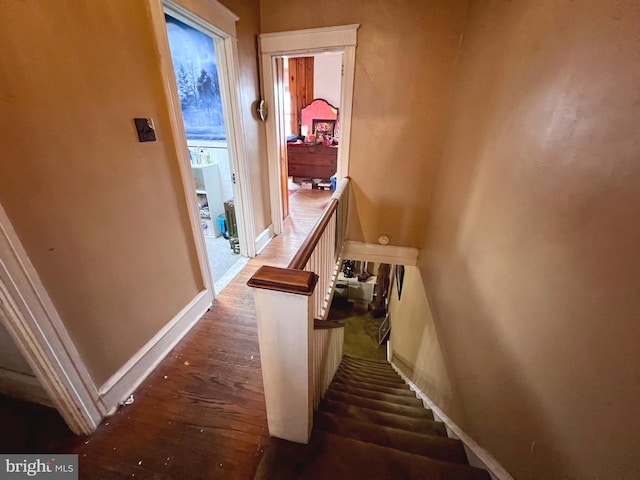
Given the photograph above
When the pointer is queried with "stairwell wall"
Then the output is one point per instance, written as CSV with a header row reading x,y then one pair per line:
x,y
414,343
531,262
405,63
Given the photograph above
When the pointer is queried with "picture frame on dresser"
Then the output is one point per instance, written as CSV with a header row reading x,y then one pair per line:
x,y
324,127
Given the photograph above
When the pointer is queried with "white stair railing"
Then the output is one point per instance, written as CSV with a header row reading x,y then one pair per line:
x,y
328,339
300,350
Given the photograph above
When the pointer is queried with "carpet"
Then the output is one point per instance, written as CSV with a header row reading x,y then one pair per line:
x,y
360,331
370,425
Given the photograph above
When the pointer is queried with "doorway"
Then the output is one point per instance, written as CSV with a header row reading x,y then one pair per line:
x,y
195,54
274,47
311,121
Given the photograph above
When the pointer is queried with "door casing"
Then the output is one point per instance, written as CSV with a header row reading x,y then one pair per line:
x,y
300,43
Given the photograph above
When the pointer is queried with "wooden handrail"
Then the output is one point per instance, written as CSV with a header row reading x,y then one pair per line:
x,y
284,280
326,324
340,188
294,279
299,261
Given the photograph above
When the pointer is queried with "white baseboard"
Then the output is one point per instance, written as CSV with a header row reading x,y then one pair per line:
x,y
372,252
477,456
263,239
23,386
138,368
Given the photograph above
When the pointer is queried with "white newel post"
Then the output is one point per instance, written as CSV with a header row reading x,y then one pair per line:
x,y
284,304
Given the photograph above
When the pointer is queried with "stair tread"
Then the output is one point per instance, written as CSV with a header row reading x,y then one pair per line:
x,y
381,405
369,378
390,397
419,425
376,388
392,376
365,368
370,371
373,368
333,456
366,360
377,368
370,381
440,448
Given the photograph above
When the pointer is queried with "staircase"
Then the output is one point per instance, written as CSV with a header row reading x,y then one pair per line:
x,y
370,425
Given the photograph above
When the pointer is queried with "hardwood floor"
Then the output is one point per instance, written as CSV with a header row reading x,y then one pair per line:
x,y
201,413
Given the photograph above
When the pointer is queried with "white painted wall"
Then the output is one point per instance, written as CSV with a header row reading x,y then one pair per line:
x,y
327,77
10,356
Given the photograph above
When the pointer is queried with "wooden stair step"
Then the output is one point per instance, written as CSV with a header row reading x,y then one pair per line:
x,y
374,380
369,376
368,371
380,405
390,375
375,388
418,425
333,456
439,448
369,361
373,368
389,397
371,381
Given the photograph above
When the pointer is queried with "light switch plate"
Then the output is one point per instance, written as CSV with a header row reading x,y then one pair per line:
x,y
144,127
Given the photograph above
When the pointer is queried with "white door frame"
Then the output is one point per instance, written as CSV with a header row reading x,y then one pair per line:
x,y
222,29
30,318
297,43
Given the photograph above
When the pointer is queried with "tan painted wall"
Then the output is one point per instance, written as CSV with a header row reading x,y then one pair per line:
x,y
405,63
102,217
532,261
414,342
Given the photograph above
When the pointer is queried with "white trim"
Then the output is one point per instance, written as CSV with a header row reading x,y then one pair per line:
x,y
31,319
372,252
223,19
264,238
272,45
180,138
137,369
273,155
225,43
477,456
228,63
23,386
346,109
285,325
222,144
308,40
